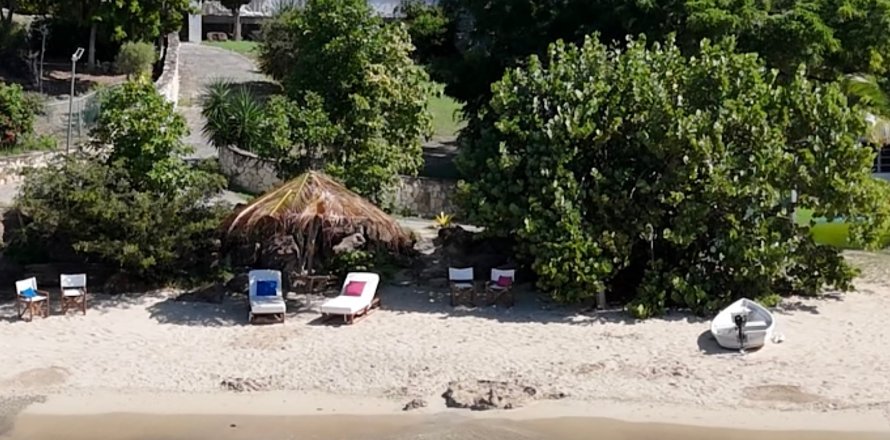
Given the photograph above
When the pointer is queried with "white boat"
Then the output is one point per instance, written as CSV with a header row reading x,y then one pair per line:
x,y
743,325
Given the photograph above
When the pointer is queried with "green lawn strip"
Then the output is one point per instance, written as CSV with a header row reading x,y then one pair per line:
x,y
446,114
244,47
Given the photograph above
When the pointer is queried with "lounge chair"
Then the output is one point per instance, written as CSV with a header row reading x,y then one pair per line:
x,y
500,287
265,294
74,292
357,298
463,288
30,300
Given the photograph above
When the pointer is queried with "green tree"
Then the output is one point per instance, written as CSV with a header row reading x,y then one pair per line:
x,y
145,133
429,29
361,70
830,36
140,206
667,177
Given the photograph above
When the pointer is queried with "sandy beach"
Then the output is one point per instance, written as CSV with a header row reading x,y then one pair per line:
x,y
150,354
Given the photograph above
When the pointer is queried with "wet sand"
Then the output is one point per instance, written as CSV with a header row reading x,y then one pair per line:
x,y
407,427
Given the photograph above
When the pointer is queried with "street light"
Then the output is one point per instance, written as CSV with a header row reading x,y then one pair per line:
x,y
74,58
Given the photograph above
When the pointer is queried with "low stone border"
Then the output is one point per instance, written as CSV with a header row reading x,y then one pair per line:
x,y
11,167
168,83
420,196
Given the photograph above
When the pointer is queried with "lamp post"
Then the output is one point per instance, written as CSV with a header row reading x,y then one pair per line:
x,y
74,58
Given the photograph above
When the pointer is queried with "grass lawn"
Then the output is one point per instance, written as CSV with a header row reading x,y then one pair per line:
x,y
244,47
834,233
446,118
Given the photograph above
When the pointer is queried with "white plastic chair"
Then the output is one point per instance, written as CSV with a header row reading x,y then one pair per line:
x,y
352,308
74,292
260,305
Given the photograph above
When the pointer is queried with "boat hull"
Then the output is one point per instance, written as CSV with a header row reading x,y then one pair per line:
x,y
758,328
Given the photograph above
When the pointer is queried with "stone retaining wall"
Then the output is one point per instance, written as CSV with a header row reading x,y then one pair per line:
x,y
11,167
419,196
168,83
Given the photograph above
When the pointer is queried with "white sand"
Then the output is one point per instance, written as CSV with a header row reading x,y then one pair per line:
x,y
835,359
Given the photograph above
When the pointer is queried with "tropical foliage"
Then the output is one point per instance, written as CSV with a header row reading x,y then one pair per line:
x,y
668,179
132,202
235,116
354,72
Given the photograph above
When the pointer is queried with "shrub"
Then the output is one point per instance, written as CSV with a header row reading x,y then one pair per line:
x,y
137,205
17,111
145,133
668,178
135,58
96,209
235,116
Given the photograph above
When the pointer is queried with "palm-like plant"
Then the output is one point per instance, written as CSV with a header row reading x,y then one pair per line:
x,y
233,115
315,209
867,91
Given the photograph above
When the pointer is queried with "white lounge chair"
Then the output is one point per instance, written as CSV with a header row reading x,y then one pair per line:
x,y
357,298
30,300
74,292
265,294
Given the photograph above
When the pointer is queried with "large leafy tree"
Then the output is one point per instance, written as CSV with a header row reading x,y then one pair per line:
x,y
830,36
669,178
357,70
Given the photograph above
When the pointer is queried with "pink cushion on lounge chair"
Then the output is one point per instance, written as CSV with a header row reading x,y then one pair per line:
x,y
354,288
504,281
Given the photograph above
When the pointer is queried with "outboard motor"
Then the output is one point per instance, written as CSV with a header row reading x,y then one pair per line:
x,y
740,320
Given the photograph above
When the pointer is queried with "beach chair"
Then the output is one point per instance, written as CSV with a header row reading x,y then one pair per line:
x,y
30,300
500,287
462,285
265,295
74,292
358,297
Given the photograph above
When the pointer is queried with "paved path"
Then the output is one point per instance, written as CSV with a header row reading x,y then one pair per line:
x,y
199,66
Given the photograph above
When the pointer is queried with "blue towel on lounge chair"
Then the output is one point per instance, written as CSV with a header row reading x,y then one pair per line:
x,y
266,288
29,293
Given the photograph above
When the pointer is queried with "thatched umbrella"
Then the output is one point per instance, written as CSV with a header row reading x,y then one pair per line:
x,y
314,206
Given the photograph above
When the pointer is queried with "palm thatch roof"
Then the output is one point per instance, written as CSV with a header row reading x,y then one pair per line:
x,y
314,201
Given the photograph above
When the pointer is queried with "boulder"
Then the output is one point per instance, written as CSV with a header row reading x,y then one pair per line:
x,y
414,404
211,293
483,395
349,243
238,284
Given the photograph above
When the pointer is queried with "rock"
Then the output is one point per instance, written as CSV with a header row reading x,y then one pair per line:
x,y
217,36
483,395
238,284
211,293
240,385
350,243
414,404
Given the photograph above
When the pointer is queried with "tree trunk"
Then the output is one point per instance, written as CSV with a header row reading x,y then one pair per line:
x,y
91,57
236,11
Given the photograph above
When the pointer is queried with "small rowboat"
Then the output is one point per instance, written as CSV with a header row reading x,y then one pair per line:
x,y
743,325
